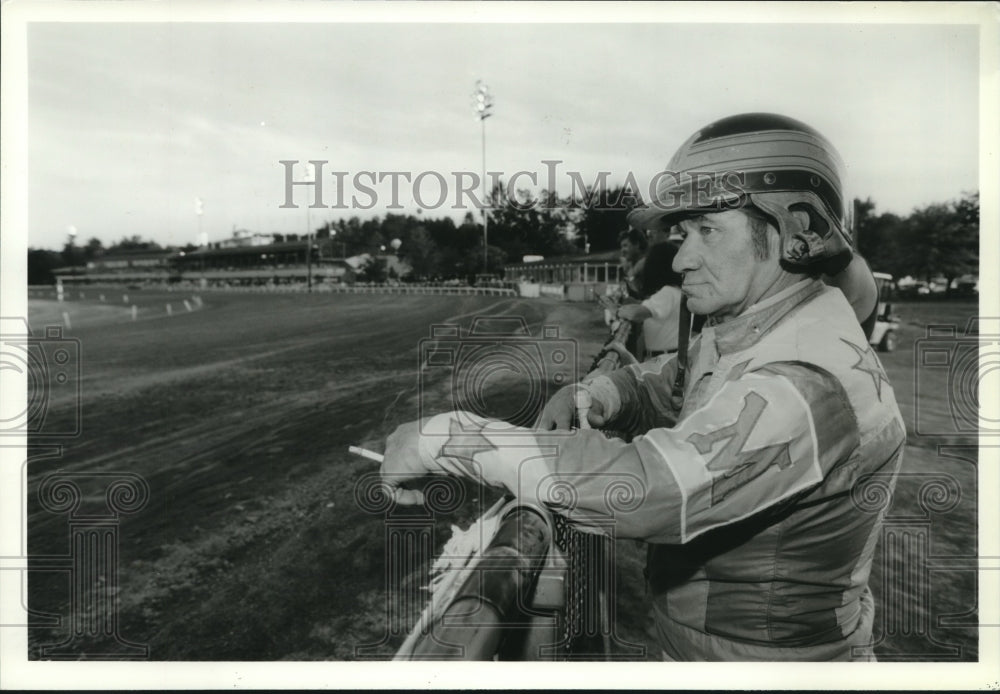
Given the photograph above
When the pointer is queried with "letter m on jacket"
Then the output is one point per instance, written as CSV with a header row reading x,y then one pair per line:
x,y
738,467
751,444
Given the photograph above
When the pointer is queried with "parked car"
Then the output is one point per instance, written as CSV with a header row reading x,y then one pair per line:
x,y
884,335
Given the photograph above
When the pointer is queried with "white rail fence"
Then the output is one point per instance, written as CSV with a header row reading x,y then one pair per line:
x,y
439,289
370,289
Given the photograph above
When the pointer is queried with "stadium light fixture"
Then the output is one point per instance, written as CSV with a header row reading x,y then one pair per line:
x,y
199,211
482,104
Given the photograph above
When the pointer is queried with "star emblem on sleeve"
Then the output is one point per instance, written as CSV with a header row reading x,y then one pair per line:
x,y
463,445
869,364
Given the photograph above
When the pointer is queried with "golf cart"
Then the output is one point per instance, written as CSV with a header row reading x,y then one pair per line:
x,y
886,322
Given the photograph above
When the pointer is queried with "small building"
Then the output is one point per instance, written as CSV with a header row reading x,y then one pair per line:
x,y
395,268
242,238
593,268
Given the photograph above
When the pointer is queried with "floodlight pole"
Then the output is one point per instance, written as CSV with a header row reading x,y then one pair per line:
x,y
486,218
309,253
310,175
483,105
72,249
343,244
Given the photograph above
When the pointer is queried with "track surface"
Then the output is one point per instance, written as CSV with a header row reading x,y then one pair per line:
x,y
238,414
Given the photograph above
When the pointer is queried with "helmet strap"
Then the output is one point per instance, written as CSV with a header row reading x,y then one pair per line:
x,y
683,338
800,245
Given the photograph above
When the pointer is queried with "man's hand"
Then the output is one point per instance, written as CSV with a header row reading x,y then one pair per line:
x,y
463,445
405,460
633,312
560,411
608,302
626,357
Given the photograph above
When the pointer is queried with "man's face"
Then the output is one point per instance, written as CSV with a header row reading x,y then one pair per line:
x,y
722,276
630,251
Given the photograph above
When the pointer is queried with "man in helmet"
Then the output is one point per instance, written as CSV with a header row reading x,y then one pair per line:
x,y
752,451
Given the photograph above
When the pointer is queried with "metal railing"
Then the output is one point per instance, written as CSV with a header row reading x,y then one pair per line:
x,y
541,591
495,601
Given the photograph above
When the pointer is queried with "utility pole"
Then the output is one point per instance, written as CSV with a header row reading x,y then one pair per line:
x,y
310,175
482,103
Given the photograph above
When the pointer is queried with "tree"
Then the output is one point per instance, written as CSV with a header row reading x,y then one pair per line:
x,y
877,238
600,215
421,253
40,265
72,255
472,262
93,250
355,237
943,239
372,271
460,248
134,243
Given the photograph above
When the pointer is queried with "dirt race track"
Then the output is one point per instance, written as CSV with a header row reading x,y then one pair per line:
x,y
253,545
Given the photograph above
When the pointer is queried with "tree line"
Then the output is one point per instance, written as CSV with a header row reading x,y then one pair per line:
x,y
939,239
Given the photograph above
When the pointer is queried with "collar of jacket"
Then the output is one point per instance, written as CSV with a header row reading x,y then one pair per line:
x,y
748,328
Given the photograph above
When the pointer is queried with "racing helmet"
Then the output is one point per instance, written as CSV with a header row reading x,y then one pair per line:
x,y
771,162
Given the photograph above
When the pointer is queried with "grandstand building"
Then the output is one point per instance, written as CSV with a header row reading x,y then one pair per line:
x,y
127,265
277,263
223,263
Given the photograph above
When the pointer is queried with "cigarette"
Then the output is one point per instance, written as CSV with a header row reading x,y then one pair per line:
x,y
365,453
583,403
406,497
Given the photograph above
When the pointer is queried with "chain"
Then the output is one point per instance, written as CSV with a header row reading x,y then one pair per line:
x,y
586,577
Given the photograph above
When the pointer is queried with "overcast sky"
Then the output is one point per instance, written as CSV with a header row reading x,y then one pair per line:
x,y
130,123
